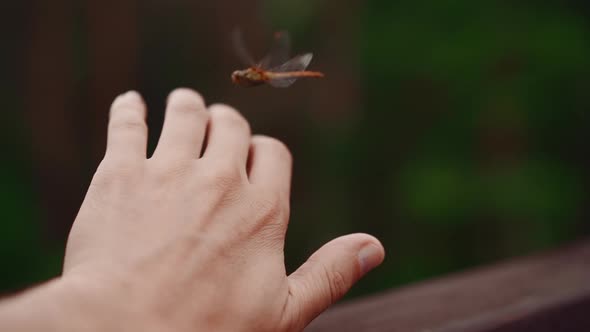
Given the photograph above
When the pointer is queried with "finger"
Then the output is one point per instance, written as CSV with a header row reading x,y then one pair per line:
x,y
270,165
228,136
330,272
127,132
184,126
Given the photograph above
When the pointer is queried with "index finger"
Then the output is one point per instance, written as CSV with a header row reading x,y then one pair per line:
x,y
127,132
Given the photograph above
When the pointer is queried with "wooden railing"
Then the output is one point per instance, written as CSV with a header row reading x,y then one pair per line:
x,y
544,292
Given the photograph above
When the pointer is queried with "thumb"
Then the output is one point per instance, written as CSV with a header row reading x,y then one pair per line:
x,y
330,272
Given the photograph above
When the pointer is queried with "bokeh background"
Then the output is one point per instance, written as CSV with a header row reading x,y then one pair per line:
x,y
455,131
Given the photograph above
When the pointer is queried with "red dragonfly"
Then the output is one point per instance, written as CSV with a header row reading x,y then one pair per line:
x,y
275,69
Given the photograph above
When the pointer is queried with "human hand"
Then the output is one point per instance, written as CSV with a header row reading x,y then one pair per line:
x,y
184,242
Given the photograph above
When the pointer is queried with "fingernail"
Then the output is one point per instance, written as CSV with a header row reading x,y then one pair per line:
x,y
369,257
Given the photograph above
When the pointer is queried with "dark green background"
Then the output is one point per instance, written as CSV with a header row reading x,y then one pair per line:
x,y
454,131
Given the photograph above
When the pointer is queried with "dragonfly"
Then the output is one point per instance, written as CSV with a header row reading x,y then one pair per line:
x,y
276,68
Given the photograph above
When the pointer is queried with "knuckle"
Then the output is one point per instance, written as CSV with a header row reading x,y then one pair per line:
x,y
114,164
279,148
281,205
225,177
115,170
188,110
162,171
269,209
227,170
202,115
267,218
337,284
224,182
128,122
297,317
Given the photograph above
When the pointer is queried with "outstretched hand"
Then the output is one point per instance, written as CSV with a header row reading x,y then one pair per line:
x,y
192,238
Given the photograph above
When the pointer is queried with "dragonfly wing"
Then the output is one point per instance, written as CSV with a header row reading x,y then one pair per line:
x,y
279,51
241,49
298,63
282,82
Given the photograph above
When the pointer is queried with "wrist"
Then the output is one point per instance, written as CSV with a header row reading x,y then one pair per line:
x,y
69,304
45,307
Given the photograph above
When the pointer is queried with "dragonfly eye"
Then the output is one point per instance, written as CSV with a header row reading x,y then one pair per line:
x,y
235,76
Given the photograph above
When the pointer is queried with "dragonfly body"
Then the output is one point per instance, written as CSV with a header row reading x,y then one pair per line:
x,y
275,69
254,76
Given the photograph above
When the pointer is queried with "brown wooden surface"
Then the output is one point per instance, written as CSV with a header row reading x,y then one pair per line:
x,y
545,292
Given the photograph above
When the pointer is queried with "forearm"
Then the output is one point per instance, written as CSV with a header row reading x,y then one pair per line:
x,y
52,306
42,308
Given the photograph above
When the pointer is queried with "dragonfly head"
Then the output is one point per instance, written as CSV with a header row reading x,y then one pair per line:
x,y
236,76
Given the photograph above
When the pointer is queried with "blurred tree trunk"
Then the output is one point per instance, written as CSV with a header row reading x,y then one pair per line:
x,y
67,134
48,92
113,55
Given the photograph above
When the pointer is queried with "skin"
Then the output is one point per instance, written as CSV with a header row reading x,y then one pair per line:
x,y
179,242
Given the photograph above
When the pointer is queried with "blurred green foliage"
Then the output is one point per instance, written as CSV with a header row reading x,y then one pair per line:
x,y
26,257
495,96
